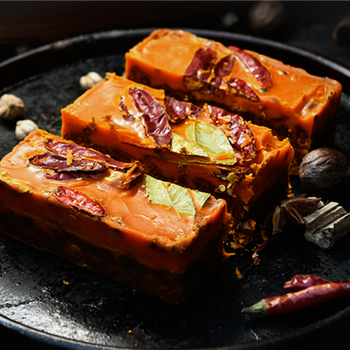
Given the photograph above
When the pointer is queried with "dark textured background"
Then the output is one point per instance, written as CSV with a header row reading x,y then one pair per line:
x,y
309,25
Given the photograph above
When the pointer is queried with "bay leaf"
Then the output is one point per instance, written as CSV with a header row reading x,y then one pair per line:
x,y
180,145
211,141
201,197
172,195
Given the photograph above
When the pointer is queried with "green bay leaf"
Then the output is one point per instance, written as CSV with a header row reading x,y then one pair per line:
x,y
182,146
213,141
172,195
206,140
181,199
201,197
157,191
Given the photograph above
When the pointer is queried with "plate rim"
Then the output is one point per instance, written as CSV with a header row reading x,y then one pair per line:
x,y
341,72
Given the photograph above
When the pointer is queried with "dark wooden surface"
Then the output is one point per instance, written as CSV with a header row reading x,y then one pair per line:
x,y
309,25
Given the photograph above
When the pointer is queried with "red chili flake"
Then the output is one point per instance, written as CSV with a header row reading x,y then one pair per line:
x,y
299,282
199,70
179,110
221,69
124,111
79,200
80,152
237,131
57,162
241,88
153,117
259,71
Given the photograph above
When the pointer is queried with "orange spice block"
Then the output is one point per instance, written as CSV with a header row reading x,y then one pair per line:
x,y
206,148
288,100
110,217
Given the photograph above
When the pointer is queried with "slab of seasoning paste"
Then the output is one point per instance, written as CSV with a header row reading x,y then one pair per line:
x,y
207,148
288,100
108,216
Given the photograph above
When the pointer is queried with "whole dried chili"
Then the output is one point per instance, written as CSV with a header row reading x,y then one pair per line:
x,y
180,110
153,116
221,69
299,282
237,131
301,299
199,70
79,200
57,162
62,148
260,73
241,88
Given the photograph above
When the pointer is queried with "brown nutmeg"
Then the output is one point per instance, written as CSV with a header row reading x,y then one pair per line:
x,y
324,169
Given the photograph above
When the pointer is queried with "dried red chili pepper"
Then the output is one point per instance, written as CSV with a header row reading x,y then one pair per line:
x,y
299,282
79,152
60,176
241,88
259,71
237,131
298,300
199,70
124,111
79,200
57,162
221,69
179,110
153,116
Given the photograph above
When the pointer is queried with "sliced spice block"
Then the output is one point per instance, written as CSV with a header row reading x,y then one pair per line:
x,y
205,148
109,217
288,100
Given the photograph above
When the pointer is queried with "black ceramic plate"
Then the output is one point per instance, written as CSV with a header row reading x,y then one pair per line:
x,y
44,298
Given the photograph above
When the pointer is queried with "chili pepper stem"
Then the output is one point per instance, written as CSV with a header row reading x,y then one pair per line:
x,y
258,309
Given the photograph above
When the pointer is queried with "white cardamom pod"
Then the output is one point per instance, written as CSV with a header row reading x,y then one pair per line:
x,y
89,80
24,128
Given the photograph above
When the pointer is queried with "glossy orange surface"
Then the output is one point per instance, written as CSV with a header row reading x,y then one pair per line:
x,y
154,235
299,106
95,119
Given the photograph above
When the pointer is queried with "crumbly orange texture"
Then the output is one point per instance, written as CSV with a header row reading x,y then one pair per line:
x,y
297,105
